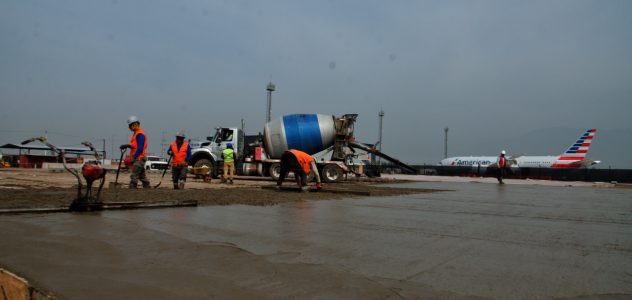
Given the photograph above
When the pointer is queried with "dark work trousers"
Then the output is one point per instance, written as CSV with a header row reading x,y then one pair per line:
x,y
501,173
179,175
138,172
289,163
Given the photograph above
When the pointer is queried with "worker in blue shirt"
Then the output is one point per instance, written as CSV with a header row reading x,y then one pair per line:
x,y
135,161
180,153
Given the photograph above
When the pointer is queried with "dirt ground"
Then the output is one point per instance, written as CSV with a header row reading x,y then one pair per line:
x,y
29,188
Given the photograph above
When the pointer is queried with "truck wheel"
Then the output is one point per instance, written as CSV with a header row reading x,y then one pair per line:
x,y
332,173
275,171
204,163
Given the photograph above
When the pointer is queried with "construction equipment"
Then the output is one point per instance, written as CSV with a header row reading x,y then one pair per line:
x,y
90,173
4,164
327,138
204,172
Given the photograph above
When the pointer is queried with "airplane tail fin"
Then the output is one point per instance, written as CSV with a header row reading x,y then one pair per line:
x,y
576,153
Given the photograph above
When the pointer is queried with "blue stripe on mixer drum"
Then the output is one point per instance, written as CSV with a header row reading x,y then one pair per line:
x,y
302,132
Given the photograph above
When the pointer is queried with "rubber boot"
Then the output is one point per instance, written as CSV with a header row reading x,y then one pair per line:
x,y
175,186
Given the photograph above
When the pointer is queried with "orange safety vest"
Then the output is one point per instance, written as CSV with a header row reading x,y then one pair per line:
x,y
303,159
132,143
502,162
178,155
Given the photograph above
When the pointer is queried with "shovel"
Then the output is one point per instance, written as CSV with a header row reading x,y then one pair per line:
x,y
163,172
115,184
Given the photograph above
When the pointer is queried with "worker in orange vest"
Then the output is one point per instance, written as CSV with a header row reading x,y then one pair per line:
x,y
180,152
135,161
502,164
301,164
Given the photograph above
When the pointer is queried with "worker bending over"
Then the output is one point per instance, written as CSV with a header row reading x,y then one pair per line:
x,y
180,153
138,156
229,163
301,164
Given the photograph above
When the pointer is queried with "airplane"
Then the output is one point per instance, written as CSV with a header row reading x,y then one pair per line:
x,y
573,157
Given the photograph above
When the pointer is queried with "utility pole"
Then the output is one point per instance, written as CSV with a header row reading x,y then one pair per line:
x,y
46,136
445,144
270,88
103,150
162,145
379,142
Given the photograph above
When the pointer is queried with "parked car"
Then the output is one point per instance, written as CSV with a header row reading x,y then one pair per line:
x,y
155,163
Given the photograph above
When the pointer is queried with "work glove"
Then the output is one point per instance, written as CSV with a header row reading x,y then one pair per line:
x,y
318,186
125,146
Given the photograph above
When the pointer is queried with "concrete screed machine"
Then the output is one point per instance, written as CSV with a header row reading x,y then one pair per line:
x,y
327,138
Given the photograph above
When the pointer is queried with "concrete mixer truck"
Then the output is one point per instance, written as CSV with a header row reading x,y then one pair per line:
x,y
328,139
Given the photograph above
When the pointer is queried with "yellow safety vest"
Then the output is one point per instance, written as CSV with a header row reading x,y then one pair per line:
x,y
229,155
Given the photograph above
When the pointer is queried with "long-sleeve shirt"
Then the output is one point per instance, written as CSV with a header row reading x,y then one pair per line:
x,y
140,141
178,147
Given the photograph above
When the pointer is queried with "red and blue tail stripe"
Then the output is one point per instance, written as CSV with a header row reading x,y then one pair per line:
x,y
573,156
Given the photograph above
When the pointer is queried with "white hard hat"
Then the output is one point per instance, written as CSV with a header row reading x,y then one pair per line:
x,y
180,134
502,152
132,119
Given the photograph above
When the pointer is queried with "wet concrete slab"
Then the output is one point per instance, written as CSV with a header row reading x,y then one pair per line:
x,y
474,241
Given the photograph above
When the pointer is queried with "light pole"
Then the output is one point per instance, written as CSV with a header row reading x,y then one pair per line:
x,y
445,143
270,88
379,141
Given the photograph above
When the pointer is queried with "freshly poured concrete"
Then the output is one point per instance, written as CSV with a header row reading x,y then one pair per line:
x,y
477,241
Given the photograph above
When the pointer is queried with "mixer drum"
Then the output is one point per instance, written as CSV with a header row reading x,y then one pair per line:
x,y
310,133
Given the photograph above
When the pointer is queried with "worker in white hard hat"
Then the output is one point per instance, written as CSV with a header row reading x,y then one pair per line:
x,y
135,161
180,153
502,164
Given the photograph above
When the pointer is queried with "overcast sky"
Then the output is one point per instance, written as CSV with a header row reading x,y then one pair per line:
x,y
495,72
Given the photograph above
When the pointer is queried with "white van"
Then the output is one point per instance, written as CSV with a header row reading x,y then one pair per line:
x,y
155,163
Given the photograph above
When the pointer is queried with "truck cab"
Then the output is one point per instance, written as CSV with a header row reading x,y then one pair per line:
x,y
210,155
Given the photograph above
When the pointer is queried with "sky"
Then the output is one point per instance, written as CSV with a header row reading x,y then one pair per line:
x,y
525,76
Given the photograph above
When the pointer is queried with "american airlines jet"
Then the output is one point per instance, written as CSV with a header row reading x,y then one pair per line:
x,y
573,157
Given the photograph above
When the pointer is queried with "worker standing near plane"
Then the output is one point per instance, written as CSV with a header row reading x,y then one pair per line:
x,y
502,164
180,152
301,164
138,156
229,163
